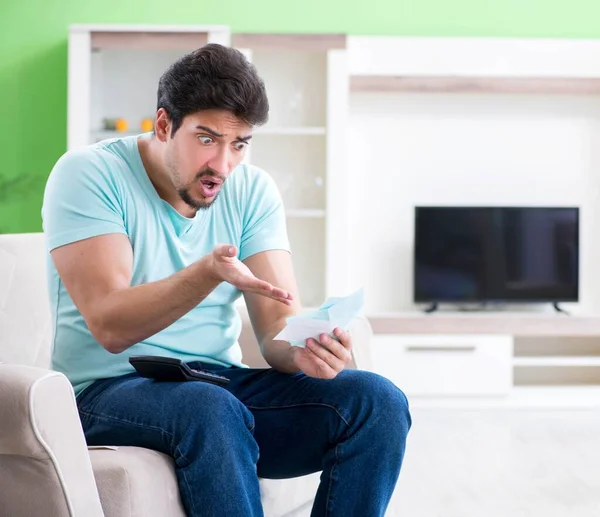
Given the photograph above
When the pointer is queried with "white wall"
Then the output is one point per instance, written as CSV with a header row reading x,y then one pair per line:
x,y
410,149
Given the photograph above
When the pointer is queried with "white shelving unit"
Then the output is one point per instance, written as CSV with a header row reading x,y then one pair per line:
x,y
113,72
303,146
409,88
499,360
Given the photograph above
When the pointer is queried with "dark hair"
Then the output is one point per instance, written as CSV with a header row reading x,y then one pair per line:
x,y
213,77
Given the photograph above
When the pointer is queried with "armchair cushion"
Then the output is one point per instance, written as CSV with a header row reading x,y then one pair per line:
x,y
136,482
42,447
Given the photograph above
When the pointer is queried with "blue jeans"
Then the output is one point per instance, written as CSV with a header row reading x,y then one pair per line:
x,y
262,424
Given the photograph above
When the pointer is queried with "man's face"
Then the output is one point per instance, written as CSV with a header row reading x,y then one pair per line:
x,y
207,147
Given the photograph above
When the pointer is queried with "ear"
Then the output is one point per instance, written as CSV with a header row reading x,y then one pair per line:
x,y
162,125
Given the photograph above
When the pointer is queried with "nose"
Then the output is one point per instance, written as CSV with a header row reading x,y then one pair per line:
x,y
221,161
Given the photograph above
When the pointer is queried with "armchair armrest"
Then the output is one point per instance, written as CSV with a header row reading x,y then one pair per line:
x,y
45,467
362,333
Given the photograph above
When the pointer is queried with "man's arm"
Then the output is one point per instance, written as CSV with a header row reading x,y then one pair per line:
x,y
97,274
267,316
322,359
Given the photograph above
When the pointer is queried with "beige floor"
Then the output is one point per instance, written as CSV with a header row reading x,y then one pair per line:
x,y
500,463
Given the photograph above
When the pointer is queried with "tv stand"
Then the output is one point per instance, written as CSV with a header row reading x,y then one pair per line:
x,y
432,308
513,359
558,309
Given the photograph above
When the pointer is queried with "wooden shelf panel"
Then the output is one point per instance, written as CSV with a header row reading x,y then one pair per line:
x,y
448,84
557,361
291,131
509,324
148,40
305,213
304,42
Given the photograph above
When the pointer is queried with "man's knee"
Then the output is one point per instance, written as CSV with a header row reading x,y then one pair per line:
x,y
385,404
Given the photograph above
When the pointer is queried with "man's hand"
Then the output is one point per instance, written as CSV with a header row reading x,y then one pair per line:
x,y
227,268
326,359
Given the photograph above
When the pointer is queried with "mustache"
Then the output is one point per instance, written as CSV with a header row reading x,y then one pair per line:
x,y
210,173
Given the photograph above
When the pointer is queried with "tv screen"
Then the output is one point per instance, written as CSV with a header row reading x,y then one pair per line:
x,y
499,254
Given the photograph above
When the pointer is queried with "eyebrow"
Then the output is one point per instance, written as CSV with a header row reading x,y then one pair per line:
x,y
214,133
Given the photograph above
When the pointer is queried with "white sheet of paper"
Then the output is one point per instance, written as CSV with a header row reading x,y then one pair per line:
x,y
335,312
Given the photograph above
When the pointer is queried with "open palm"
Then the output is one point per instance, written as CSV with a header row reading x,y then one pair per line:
x,y
228,268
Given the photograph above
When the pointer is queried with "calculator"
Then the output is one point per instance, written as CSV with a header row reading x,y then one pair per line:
x,y
171,369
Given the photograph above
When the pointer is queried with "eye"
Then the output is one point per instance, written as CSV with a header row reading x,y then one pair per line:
x,y
239,146
206,140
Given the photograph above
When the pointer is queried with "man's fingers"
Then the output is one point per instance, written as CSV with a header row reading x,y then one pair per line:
x,y
282,300
286,301
325,370
226,250
270,293
336,348
255,285
324,354
344,337
280,293
273,292
261,287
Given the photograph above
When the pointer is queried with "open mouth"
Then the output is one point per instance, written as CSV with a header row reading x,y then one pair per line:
x,y
209,188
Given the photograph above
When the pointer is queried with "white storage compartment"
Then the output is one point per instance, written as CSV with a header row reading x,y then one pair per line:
x,y
438,365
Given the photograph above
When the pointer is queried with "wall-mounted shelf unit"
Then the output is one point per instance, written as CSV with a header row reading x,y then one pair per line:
x,y
303,146
113,72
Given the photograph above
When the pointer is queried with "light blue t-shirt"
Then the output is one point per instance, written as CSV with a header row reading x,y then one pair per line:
x,y
103,189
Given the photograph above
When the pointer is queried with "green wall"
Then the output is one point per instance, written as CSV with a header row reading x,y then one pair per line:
x,y
33,56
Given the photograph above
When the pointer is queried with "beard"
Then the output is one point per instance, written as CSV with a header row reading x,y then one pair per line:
x,y
184,194
197,204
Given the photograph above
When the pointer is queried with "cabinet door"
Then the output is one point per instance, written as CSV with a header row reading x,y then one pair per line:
x,y
445,365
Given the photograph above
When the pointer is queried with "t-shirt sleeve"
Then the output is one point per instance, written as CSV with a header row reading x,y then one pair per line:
x,y
81,200
264,223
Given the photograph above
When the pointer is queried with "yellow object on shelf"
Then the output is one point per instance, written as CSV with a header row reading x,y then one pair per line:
x,y
121,125
147,125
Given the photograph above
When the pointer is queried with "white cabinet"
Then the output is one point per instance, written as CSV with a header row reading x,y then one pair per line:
x,y
303,146
445,365
490,360
114,72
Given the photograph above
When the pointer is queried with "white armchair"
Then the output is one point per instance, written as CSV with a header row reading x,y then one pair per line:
x,y
45,466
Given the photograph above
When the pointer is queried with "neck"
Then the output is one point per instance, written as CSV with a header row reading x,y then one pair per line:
x,y
152,158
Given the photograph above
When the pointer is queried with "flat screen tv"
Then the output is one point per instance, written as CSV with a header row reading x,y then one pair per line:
x,y
496,254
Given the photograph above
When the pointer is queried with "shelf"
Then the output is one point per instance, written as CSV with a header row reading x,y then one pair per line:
x,y
184,41
267,131
530,397
296,83
455,84
305,213
105,135
297,42
509,323
299,130
557,361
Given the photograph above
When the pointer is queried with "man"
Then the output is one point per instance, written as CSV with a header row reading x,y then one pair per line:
x,y
152,239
